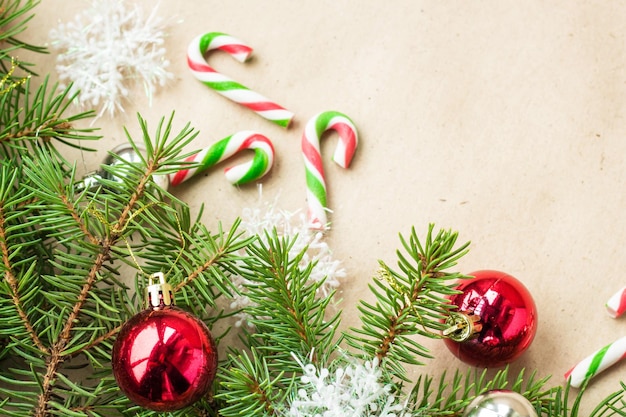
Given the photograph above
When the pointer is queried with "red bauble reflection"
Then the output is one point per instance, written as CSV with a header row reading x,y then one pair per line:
x,y
165,359
507,313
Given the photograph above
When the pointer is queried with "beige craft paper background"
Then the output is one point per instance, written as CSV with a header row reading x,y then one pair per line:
x,y
503,120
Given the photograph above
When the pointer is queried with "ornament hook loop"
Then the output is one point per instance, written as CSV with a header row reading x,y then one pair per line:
x,y
462,326
159,292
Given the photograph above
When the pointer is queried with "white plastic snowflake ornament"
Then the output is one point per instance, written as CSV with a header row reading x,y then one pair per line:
x,y
107,49
355,390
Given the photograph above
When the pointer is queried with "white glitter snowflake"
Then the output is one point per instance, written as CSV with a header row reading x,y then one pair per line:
x,y
108,48
267,217
355,390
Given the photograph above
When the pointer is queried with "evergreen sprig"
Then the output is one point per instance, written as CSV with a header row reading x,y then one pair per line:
x,y
40,117
450,396
298,321
409,302
248,387
288,318
14,18
72,302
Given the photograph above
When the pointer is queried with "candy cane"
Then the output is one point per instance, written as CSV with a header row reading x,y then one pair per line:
x,y
226,86
224,149
616,305
597,362
316,184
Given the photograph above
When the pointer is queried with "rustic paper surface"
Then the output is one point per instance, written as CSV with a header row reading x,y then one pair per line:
x,y
503,120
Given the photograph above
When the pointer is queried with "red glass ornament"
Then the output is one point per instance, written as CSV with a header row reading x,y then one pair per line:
x,y
505,315
164,358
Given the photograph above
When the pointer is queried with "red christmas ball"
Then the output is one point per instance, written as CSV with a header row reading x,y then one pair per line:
x,y
504,318
164,359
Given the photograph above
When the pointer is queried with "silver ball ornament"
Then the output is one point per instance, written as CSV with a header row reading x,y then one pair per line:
x,y
124,152
500,403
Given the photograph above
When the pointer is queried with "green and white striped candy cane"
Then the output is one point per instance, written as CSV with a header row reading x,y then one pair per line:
x,y
223,149
597,362
224,85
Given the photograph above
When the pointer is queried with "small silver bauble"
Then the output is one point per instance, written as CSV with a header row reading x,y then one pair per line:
x,y
125,152
500,403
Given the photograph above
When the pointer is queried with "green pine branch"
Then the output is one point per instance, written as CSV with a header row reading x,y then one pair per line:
x,y
289,320
298,320
409,302
20,294
14,18
70,308
30,119
248,387
449,396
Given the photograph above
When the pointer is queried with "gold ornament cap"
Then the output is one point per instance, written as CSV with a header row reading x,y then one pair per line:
x,y
159,292
462,326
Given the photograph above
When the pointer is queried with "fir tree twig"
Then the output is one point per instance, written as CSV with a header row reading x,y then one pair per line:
x,y
409,302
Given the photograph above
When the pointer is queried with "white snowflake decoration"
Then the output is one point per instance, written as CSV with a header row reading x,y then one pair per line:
x,y
258,220
355,390
108,47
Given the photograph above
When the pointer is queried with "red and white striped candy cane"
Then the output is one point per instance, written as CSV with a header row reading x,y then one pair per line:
x,y
616,305
223,149
316,183
226,86
597,362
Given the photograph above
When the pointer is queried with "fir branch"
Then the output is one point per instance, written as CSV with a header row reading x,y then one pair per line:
x,y
52,194
249,388
90,281
409,302
72,232
14,18
195,259
98,340
288,318
197,262
451,396
613,405
15,296
227,243
40,117
9,199
70,207
286,311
